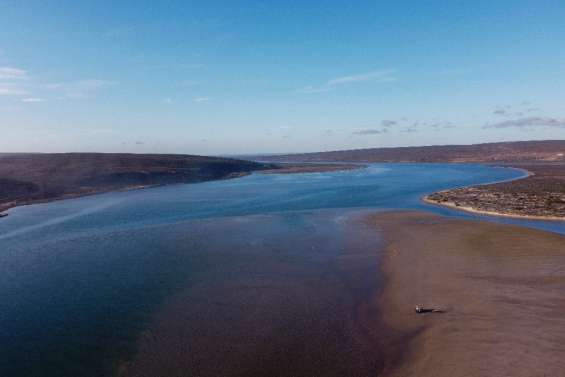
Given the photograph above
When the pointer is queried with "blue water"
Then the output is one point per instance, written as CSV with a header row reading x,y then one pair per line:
x,y
80,278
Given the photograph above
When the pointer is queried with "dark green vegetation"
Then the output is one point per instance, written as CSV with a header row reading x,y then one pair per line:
x,y
549,150
28,178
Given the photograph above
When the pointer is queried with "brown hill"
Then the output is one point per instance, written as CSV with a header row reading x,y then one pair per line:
x,y
27,178
547,150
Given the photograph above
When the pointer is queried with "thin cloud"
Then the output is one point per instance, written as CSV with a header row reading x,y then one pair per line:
x,y
10,73
516,111
82,88
386,75
369,131
530,122
441,125
201,99
409,130
11,90
33,99
388,123
313,90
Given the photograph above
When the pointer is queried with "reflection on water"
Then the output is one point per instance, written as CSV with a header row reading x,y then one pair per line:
x,y
80,279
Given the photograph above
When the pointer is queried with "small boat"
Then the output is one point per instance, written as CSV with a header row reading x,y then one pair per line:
x,y
3,215
419,309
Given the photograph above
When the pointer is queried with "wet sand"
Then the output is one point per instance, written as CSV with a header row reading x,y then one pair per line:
x,y
502,286
331,300
288,295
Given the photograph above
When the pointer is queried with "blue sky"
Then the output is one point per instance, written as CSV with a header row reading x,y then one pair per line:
x,y
232,77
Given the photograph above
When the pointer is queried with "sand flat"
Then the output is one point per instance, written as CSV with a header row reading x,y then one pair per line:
x,y
503,288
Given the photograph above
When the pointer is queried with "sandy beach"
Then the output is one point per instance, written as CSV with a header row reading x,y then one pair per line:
x,y
501,286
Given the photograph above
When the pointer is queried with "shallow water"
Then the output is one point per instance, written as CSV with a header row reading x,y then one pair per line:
x,y
79,279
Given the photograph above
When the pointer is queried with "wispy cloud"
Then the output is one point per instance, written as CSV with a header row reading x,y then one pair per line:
x,y
517,111
82,88
10,73
370,131
11,90
530,122
379,76
313,90
441,125
8,84
33,99
386,75
201,99
388,123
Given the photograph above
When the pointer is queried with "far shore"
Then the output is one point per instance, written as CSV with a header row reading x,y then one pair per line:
x,y
500,287
296,168
293,168
4,207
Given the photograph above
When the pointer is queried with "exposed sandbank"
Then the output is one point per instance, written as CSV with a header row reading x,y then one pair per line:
x,y
502,287
270,299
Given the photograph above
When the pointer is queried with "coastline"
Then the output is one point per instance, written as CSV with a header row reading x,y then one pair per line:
x,y
452,205
460,205
500,287
5,207
292,169
299,168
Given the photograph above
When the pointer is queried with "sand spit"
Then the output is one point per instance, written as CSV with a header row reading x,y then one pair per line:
x,y
502,287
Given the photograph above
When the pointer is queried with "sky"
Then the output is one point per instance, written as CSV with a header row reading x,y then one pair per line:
x,y
240,77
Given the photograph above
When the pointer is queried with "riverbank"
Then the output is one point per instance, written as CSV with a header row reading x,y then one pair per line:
x,y
501,287
539,196
39,178
4,207
295,168
457,206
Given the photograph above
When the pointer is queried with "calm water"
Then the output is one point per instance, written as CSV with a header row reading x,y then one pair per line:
x,y
79,279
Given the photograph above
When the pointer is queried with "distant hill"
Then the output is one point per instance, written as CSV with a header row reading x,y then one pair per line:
x,y
27,178
520,151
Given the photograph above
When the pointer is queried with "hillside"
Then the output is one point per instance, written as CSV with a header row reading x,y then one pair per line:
x,y
28,178
548,150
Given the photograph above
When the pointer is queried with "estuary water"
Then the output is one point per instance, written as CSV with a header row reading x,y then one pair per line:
x,y
82,279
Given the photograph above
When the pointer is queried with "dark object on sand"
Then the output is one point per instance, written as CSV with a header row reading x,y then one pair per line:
x,y
3,215
420,310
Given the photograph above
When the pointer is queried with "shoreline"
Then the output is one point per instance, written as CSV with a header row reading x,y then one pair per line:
x,y
308,312
293,169
4,207
500,286
471,210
